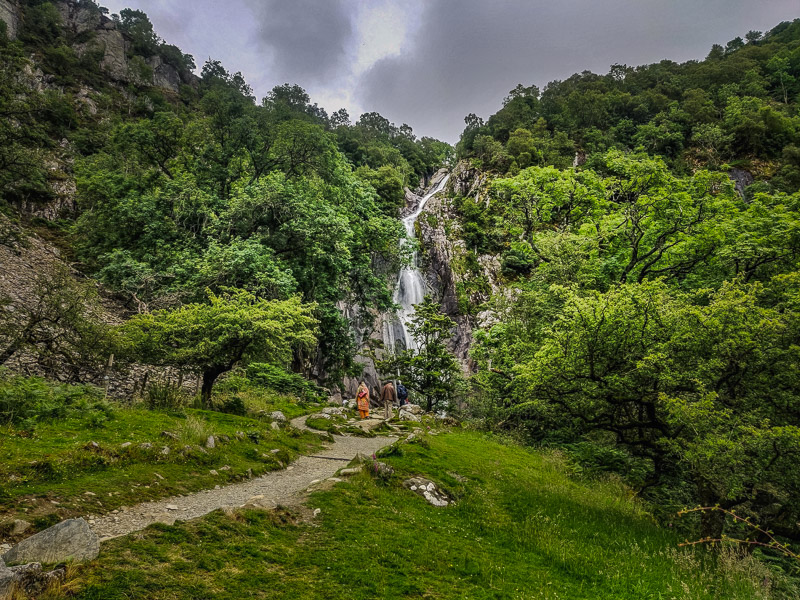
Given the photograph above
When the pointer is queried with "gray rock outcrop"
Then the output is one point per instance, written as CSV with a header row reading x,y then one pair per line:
x,y
277,416
10,14
69,540
741,180
428,490
29,579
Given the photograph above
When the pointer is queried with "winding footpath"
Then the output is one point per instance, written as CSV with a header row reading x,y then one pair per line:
x,y
285,487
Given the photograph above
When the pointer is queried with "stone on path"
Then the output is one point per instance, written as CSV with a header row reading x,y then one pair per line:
x,y
333,410
69,540
260,502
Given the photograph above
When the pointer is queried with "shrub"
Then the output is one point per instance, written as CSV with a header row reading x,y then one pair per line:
x,y
163,396
275,378
32,399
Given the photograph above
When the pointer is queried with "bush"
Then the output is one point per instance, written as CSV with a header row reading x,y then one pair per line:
x,y
32,399
163,396
277,379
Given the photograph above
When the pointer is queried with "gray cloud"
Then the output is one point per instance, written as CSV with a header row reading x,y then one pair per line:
x,y
308,39
469,53
464,57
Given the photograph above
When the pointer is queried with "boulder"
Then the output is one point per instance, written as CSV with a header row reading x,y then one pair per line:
x,y
333,410
277,415
210,442
406,415
428,490
412,408
69,540
335,399
275,425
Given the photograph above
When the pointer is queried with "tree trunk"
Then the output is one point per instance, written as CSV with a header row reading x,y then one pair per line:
x,y
209,377
712,523
8,352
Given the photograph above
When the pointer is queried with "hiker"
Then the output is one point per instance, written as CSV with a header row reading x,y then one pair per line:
x,y
362,400
402,393
388,397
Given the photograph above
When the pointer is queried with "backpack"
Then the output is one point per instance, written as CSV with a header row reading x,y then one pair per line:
x,y
402,392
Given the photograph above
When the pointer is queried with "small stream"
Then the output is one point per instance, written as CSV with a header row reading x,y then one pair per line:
x,y
411,287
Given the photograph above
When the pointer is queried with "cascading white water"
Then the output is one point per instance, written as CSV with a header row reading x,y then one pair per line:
x,y
410,288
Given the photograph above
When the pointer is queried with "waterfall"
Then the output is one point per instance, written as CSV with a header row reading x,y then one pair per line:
x,y
410,288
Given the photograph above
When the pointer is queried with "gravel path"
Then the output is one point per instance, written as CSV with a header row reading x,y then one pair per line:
x,y
280,487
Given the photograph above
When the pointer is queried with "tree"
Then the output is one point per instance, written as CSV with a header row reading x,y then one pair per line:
x,y
432,371
62,326
702,393
212,337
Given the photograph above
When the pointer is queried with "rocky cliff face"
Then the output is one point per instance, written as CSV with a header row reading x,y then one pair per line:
x,y
444,255
78,19
10,14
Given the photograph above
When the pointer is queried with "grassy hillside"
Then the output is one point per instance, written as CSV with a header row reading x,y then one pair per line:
x,y
75,453
521,527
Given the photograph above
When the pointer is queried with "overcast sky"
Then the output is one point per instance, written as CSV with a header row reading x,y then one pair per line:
x,y
429,63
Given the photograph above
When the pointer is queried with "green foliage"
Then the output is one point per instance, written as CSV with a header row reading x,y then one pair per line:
x,y
275,378
62,325
740,102
31,400
431,371
211,338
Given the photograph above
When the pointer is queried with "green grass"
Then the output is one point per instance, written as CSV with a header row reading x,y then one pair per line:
x,y
521,527
48,469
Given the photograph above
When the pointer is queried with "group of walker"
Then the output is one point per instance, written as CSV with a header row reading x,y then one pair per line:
x,y
389,397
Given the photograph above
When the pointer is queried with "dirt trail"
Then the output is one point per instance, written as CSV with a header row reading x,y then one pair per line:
x,y
284,487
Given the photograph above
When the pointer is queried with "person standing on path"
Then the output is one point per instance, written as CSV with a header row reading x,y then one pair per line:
x,y
389,398
402,393
362,400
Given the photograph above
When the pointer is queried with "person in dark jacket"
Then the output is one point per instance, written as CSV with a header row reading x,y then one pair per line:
x,y
388,397
402,393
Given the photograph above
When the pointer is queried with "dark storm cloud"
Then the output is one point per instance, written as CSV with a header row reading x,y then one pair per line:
x,y
469,53
308,39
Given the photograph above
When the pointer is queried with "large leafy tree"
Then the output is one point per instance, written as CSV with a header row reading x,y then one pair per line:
x,y
212,337
431,370
702,393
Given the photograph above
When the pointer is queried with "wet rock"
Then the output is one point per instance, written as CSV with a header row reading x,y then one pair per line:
x,y
69,540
